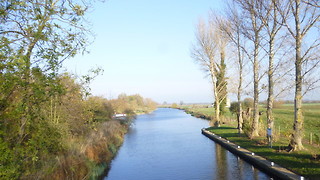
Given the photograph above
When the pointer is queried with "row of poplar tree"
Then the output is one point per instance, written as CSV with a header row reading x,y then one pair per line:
x,y
269,46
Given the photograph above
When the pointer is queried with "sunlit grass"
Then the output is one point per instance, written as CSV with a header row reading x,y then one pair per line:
x,y
283,119
306,162
301,162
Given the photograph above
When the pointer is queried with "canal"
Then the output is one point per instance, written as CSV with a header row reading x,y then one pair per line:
x,y
167,144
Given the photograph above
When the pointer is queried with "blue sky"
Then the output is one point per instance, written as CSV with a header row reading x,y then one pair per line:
x,y
144,48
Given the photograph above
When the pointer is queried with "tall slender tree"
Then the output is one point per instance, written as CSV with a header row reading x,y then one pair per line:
x,y
223,41
210,44
233,29
252,29
222,81
272,25
304,20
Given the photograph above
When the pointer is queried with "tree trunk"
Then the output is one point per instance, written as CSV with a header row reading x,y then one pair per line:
x,y
296,138
270,119
239,114
255,123
217,114
240,117
217,102
274,30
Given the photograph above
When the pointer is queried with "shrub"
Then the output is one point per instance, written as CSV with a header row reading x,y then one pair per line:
x,y
234,108
174,105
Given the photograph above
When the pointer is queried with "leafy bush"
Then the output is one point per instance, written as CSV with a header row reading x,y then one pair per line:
x,y
234,107
246,103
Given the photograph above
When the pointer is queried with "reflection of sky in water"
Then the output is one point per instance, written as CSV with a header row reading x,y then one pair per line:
x,y
168,144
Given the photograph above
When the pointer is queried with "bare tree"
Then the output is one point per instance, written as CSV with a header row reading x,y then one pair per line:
x,y
208,51
314,3
270,18
232,28
252,30
305,17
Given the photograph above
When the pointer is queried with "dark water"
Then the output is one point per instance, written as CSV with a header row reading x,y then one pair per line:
x,y
168,144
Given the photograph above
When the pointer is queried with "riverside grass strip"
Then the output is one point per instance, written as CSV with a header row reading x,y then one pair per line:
x,y
302,162
265,165
305,162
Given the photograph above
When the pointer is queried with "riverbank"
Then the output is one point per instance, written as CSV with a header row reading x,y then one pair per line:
x,y
90,157
303,162
306,162
267,166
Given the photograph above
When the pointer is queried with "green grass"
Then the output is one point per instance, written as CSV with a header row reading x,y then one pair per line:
x,y
283,119
306,162
300,162
206,111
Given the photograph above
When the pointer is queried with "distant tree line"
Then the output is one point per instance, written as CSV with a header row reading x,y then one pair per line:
x,y
133,104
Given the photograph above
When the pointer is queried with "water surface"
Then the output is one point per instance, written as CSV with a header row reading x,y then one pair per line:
x,y
167,145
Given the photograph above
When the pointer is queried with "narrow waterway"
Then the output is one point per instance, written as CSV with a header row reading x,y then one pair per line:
x,y
167,144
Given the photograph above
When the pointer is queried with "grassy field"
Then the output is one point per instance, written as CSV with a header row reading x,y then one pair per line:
x,y
306,162
283,122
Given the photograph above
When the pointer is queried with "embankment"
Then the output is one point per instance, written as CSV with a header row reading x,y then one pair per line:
x,y
196,114
90,157
267,166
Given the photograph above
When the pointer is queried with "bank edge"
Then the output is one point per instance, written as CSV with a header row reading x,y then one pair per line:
x,y
272,169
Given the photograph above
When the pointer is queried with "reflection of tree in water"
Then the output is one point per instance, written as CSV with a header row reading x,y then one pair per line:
x,y
227,169
256,174
222,164
240,167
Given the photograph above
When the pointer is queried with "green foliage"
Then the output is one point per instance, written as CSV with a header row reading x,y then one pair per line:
x,y
246,103
234,108
87,79
46,117
316,139
10,166
222,86
35,113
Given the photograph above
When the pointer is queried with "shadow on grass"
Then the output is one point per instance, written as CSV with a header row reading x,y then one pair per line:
x,y
299,162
